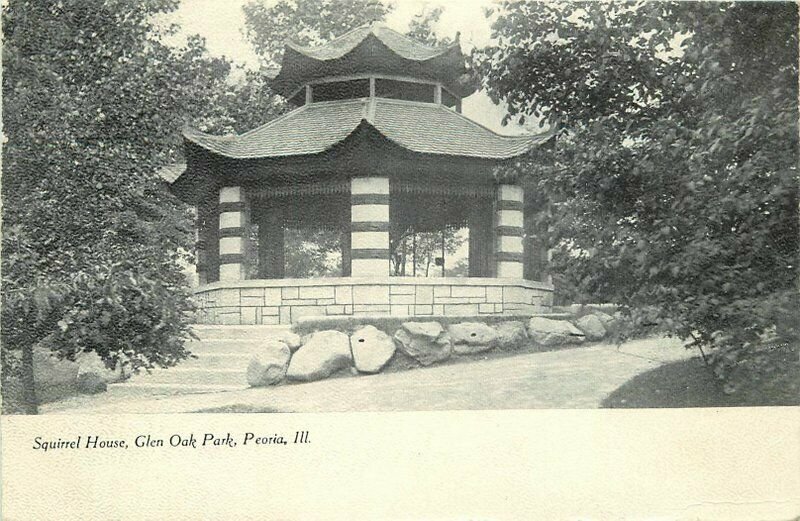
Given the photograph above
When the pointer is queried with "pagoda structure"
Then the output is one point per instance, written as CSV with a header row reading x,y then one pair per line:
x,y
377,146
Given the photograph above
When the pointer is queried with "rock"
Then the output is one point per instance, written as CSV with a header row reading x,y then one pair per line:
x,y
290,338
268,364
592,327
372,349
426,342
511,334
91,383
548,332
324,353
472,337
605,318
431,330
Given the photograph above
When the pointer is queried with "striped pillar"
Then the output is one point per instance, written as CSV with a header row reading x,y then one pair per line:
x,y
232,234
508,232
369,227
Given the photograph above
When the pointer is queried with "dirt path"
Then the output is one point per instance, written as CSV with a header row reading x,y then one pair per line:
x,y
567,379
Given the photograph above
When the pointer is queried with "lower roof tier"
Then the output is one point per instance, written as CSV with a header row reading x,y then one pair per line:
x,y
425,128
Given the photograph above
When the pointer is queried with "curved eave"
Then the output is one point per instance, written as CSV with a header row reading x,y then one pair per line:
x,y
514,146
372,55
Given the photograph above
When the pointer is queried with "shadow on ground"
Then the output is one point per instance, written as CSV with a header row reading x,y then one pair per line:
x,y
771,379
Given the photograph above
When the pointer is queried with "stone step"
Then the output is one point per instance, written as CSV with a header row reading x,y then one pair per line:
x,y
227,345
216,361
194,376
207,332
223,354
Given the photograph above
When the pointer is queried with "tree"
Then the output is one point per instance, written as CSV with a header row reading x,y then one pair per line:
x,y
422,249
313,253
421,27
92,242
268,27
672,187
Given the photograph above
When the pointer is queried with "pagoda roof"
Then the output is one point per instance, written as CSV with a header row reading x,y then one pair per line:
x,y
398,43
424,128
373,49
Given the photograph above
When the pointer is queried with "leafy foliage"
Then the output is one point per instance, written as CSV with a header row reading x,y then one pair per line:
x,y
313,253
268,27
414,253
421,27
672,189
93,245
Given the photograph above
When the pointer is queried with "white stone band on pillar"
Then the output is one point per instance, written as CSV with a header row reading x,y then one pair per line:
x,y
369,240
232,234
509,231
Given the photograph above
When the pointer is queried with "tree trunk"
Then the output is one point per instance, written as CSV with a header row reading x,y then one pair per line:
x,y
414,254
403,258
30,403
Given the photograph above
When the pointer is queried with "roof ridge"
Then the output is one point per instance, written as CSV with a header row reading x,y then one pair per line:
x,y
373,30
458,114
412,40
296,45
274,121
484,127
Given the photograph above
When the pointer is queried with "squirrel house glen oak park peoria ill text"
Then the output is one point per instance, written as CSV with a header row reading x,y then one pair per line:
x,y
189,440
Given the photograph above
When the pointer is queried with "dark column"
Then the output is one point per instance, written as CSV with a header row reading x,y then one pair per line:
x,y
480,239
346,245
271,261
207,241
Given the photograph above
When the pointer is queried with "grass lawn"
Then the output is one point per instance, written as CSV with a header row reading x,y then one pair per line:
x,y
772,380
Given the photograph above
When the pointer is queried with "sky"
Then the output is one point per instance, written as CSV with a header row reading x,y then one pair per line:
x,y
221,23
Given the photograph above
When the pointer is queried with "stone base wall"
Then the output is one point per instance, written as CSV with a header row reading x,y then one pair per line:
x,y
285,301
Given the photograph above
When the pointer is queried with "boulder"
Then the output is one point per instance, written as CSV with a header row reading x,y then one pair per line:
x,y
324,353
549,332
605,318
372,349
472,337
592,327
511,334
426,342
268,364
290,338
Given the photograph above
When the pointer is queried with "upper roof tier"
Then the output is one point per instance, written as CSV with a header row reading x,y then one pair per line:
x,y
373,49
425,128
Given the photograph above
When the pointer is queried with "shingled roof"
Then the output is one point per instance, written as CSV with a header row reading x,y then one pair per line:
x,y
424,128
373,49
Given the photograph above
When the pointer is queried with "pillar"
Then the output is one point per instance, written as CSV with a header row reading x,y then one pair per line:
x,y
233,237
508,232
271,233
369,227
480,238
